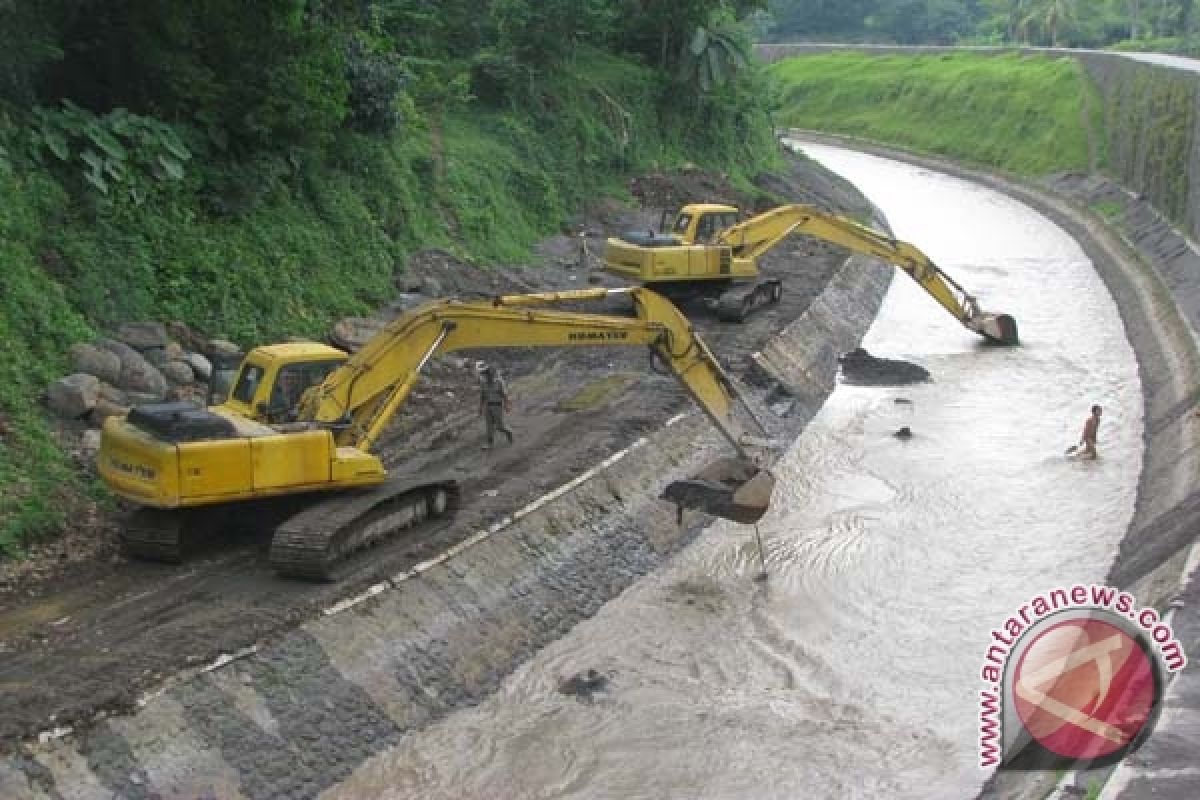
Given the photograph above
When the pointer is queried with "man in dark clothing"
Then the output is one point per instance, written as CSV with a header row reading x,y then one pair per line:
x,y
493,402
1090,429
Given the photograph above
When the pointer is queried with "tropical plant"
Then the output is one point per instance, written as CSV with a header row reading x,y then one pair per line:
x,y
713,57
1051,16
109,150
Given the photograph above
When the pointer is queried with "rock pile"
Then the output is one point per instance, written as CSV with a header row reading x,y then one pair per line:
x,y
146,362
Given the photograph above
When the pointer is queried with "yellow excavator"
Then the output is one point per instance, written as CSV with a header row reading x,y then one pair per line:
x,y
711,254
292,445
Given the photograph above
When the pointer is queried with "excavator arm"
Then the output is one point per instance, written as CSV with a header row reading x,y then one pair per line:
x,y
754,237
361,397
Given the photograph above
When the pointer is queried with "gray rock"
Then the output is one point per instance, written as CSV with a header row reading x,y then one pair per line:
x,y
143,398
97,361
104,409
137,374
352,333
431,286
177,372
112,394
89,445
200,365
74,395
222,347
157,356
188,338
143,335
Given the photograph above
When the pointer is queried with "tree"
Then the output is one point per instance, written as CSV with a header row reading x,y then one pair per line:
x,y
1051,16
713,57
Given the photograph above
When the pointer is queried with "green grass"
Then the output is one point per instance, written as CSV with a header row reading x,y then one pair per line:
x,y
1020,114
1108,209
257,250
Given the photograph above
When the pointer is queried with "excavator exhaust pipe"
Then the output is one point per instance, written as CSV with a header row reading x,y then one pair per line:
x,y
998,328
731,488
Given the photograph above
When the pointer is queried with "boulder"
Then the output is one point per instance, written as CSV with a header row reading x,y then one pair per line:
x,y
74,395
143,335
112,394
144,398
431,286
178,372
89,445
96,361
104,409
187,338
351,333
201,366
137,374
157,356
222,347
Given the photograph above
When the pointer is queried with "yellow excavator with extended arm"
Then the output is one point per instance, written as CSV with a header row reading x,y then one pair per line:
x,y
309,469
709,253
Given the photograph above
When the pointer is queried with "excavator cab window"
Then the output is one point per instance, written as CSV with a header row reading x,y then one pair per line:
x,y
291,383
247,384
681,224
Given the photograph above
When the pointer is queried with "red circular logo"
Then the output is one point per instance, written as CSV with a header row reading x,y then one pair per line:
x,y
1084,688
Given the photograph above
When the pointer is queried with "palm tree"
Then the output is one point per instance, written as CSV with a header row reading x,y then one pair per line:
x,y
1051,15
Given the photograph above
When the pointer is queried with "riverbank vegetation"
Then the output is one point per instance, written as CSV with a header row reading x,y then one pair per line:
x,y
258,169
1025,115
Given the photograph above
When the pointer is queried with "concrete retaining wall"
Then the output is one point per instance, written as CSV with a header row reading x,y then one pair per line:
x,y
299,714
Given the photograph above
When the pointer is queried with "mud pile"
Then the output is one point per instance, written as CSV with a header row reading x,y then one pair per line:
x,y
860,368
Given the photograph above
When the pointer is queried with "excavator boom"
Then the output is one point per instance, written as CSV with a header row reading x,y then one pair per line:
x,y
756,236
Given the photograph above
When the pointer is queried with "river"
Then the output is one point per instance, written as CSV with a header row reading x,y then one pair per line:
x,y
853,670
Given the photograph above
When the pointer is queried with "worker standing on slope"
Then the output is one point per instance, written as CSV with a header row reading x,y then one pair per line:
x,y
493,402
1090,428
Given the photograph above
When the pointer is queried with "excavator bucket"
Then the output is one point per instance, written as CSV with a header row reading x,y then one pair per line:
x,y
731,488
998,328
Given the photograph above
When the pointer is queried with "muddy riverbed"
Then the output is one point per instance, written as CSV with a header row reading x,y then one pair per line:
x,y
853,670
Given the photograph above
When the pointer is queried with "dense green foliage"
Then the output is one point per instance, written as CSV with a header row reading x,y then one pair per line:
x,y
1166,25
258,169
1027,115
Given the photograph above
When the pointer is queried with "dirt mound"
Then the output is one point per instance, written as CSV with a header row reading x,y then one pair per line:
x,y
860,368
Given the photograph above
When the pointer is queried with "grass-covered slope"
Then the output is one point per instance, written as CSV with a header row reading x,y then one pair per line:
x,y
283,245
1026,115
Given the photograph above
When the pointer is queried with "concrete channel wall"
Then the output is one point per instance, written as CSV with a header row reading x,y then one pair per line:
x,y
298,715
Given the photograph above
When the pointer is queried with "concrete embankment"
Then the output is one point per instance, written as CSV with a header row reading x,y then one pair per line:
x,y
296,715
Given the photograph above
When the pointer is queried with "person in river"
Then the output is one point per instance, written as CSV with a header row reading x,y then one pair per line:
x,y
493,402
1087,442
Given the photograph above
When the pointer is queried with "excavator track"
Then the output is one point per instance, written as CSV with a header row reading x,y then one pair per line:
x,y
313,544
154,535
740,301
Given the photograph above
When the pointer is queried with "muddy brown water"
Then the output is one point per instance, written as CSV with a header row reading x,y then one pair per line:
x,y
852,672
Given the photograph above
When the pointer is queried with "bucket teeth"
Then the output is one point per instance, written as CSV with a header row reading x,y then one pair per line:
x,y
731,488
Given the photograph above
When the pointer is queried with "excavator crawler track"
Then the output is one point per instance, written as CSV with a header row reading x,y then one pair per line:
x,y
739,302
315,543
154,535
